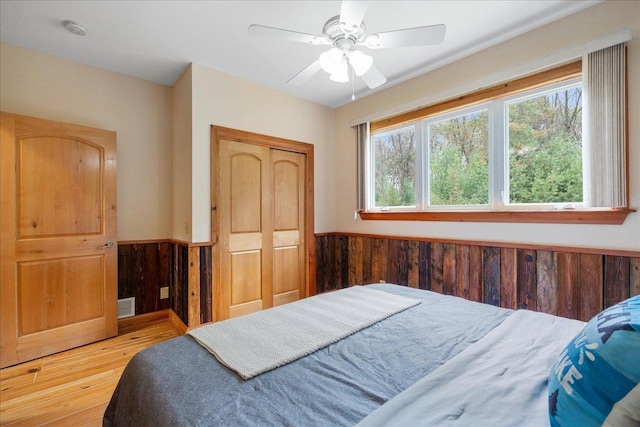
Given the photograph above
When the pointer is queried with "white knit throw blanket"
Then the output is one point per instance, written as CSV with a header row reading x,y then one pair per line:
x,y
261,341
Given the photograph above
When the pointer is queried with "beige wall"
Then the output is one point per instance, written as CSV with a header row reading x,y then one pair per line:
x,y
595,22
163,133
182,123
43,86
224,100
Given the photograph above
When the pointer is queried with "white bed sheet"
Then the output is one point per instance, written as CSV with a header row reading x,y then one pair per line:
x,y
501,380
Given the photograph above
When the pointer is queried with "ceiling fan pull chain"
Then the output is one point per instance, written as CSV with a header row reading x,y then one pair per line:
x,y
353,85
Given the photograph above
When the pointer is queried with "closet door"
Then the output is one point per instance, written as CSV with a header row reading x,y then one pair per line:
x,y
245,228
289,272
260,221
58,255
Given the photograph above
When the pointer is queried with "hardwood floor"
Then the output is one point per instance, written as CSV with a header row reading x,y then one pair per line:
x,y
73,388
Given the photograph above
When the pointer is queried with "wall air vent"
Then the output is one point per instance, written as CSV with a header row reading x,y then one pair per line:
x,y
126,307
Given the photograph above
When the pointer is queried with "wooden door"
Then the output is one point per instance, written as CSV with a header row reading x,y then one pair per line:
x,y
58,243
261,218
289,272
245,228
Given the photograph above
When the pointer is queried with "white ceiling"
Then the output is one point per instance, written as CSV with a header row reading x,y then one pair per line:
x,y
156,40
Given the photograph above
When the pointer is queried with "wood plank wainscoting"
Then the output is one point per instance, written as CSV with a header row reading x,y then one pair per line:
x,y
570,282
146,266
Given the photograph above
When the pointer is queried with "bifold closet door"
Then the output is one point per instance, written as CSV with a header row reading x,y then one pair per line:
x,y
261,207
289,272
245,227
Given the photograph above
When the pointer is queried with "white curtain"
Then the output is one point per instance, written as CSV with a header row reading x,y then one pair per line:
x,y
605,160
362,138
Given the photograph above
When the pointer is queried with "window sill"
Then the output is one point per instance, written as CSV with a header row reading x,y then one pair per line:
x,y
611,216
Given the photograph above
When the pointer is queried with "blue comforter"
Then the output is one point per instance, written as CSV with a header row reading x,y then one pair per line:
x,y
179,383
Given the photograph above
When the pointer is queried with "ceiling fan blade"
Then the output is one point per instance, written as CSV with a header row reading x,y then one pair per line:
x,y
351,14
279,33
373,78
419,36
305,74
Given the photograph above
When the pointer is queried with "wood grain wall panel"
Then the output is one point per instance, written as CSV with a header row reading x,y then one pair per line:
x,y
616,279
137,276
322,252
403,262
491,274
547,282
193,287
435,266
142,270
330,264
206,286
570,284
180,300
392,263
335,264
567,283
475,274
149,285
526,279
508,278
568,303
367,257
355,261
380,254
165,259
449,269
461,284
413,269
125,287
590,285
342,280
424,265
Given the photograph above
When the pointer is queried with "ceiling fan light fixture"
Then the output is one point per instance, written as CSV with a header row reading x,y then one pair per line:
x,y
341,74
360,62
331,60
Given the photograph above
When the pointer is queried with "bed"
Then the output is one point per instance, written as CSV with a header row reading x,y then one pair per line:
x,y
442,361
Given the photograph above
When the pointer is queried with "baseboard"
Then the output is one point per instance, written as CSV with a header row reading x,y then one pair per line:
x,y
177,323
155,316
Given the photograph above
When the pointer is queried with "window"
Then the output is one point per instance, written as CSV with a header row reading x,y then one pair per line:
x,y
459,158
539,131
394,160
492,155
544,140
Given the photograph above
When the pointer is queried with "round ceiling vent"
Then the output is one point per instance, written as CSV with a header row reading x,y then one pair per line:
x,y
75,28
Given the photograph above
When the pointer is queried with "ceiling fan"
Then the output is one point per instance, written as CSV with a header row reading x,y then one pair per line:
x,y
345,33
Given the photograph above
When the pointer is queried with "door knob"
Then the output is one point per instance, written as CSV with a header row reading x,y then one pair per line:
x,y
108,244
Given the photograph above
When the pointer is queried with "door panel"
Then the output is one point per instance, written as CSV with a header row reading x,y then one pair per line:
x,y
244,265
246,282
286,286
245,191
59,280
55,293
59,188
288,175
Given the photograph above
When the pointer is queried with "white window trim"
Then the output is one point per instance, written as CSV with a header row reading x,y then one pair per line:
x,y
498,151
